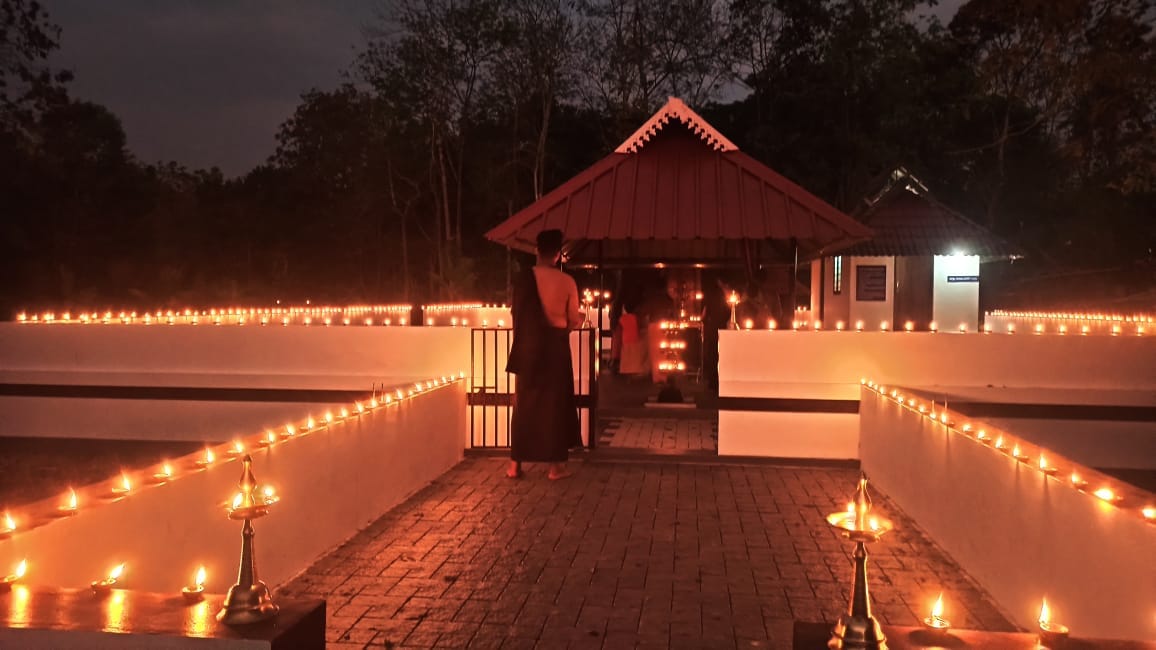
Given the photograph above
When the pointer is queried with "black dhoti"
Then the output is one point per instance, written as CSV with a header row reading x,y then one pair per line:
x,y
545,419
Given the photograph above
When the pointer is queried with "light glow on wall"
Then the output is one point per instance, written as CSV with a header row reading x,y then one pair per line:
x,y
1050,466
129,484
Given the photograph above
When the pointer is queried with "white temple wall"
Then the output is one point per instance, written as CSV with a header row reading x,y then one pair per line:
x,y
793,394
871,312
1011,527
233,356
304,364
955,292
332,482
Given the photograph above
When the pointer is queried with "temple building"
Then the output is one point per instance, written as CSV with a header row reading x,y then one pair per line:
x,y
921,266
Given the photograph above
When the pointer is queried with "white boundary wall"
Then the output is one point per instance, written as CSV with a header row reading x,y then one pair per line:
x,y
827,365
332,482
205,356
237,356
1021,534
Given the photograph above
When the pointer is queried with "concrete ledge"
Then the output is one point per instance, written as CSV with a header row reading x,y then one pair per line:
x,y
788,435
1018,532
72,619
332,481
217,353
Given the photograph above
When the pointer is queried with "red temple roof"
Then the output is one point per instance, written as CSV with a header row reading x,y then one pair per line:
x,y
679,192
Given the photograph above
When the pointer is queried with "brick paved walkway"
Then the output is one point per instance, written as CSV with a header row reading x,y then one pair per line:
x,y
659,433
623,555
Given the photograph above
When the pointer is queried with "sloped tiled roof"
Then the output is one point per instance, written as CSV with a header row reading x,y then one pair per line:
x,y
678,192
907,220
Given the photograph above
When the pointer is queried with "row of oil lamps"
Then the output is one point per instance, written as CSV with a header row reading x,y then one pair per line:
x,y
124,486
261,318
192,592
933,327
1050,631
1067,315
1007,444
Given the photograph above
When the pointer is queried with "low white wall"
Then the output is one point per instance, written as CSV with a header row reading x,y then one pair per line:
x,y
204,356
332,482
1021,534
828,365
831,436
241,356
135,419
941,359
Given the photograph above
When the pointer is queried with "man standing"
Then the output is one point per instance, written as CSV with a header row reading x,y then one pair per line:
x,y
545,309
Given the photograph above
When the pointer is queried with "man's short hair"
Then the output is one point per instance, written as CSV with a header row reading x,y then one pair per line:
x,y
549,242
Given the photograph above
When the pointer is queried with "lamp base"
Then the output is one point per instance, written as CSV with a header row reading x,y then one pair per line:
x,y
246,605
857,633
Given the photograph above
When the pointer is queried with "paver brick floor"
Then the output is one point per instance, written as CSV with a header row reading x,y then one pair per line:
x,y
623,555
658,433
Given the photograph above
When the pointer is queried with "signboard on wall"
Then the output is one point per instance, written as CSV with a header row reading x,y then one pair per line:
x,y
871,283
963,278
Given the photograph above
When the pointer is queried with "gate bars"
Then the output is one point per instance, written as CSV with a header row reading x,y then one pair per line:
x,y
491,390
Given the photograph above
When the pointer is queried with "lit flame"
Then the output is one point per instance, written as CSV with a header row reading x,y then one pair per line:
x,y
1043,462
125,483
271,437
199,581
1149,512
269,492
1105,493
1045,614
238,498
71,499
239,446
209,457
167,470
289,430
873,523
9,523
116,572
21,569
1016,451
999,442
1076,480
309,423
937,608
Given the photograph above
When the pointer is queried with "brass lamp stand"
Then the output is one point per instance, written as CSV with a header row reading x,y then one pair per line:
x,y
857,629
248,601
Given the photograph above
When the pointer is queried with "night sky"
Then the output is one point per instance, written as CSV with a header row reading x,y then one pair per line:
x,y
207,82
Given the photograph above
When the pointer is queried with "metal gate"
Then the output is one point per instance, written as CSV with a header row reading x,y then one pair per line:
x,y
491,390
